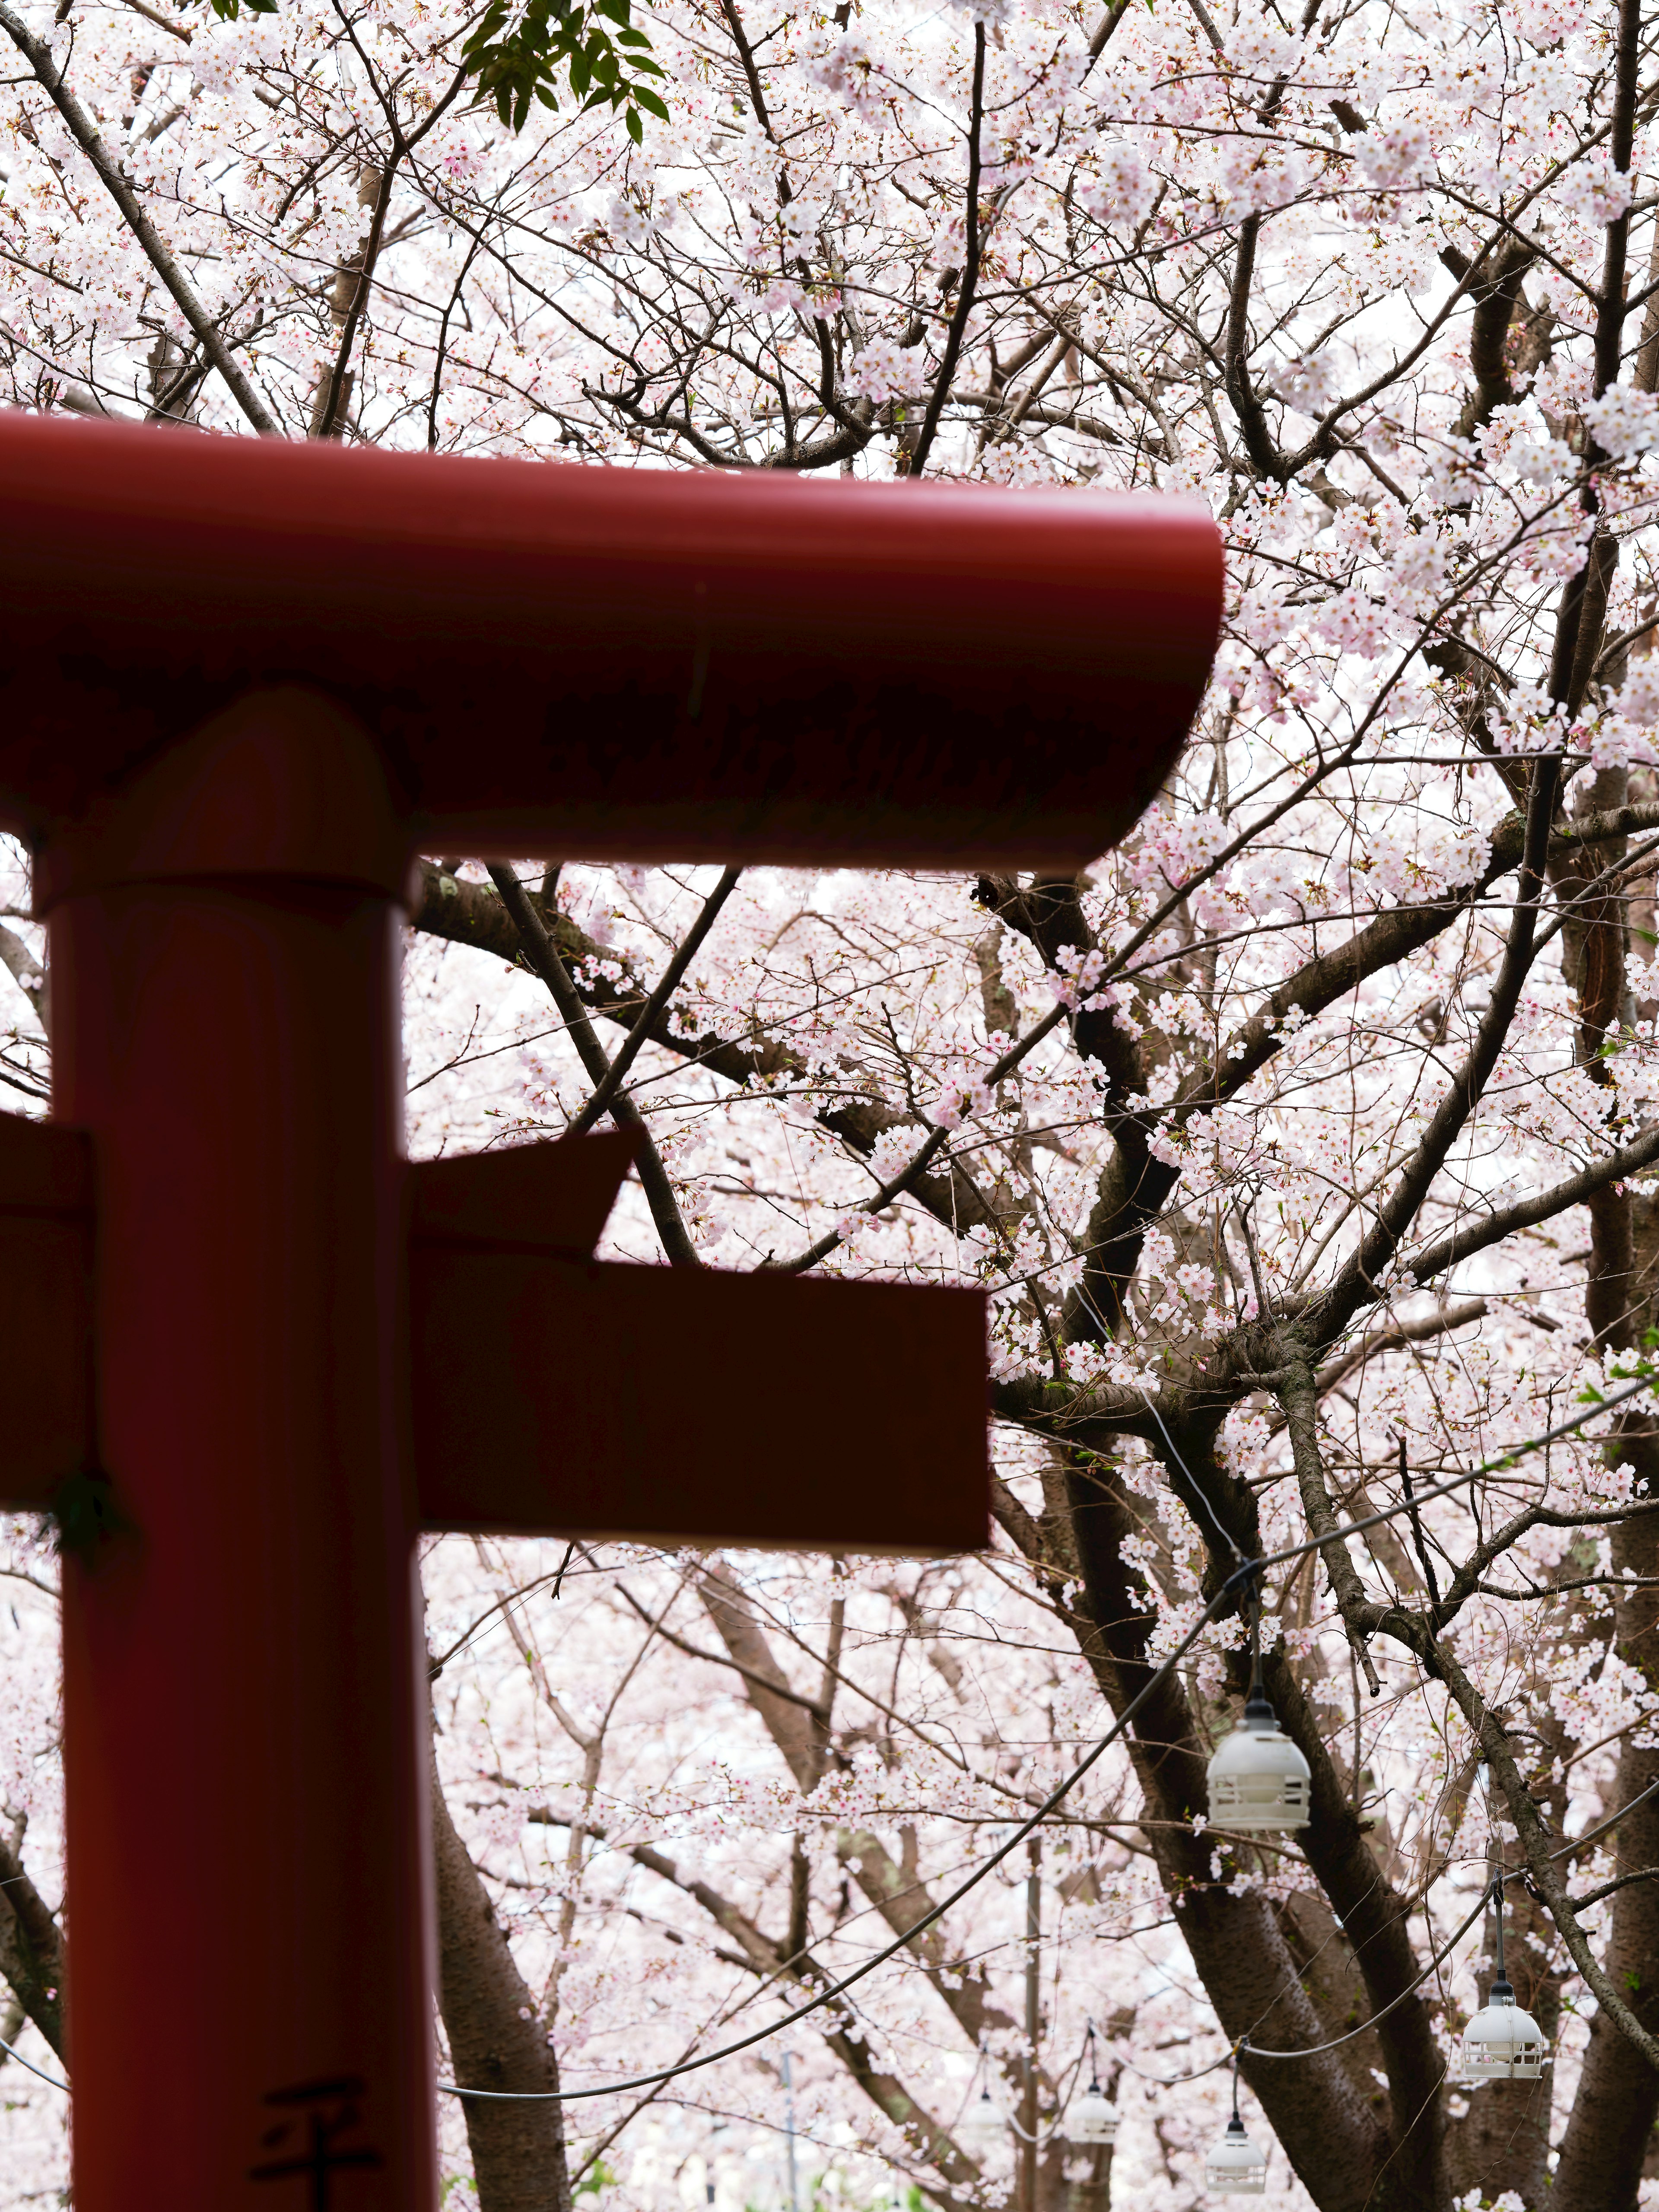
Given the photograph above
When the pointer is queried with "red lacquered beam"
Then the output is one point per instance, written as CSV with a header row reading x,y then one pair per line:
x,y
602,662
664,1404
46,1246
668,1405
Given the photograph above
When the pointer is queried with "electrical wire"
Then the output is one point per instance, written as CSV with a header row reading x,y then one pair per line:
x,y
33,2068
880,1958
1197,1487
1241,1576
1312,2050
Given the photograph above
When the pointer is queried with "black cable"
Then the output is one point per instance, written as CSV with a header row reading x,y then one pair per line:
x,y
1241,1577
34,2069
1223,1597
1192,1480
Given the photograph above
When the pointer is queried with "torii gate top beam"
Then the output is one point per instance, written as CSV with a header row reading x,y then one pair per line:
x,y
610,663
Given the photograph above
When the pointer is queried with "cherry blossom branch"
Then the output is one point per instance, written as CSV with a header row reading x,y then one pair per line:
x,y
85,133
651,1012
909,1175
331,399
765,1958
1395,1216
465,912
31,1948
542,955
970,285
1440,1257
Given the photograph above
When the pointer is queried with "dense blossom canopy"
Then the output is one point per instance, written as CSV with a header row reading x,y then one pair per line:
x,y
1304,1147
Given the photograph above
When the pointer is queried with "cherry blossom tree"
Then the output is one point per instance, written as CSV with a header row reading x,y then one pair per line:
x,y
1306,1148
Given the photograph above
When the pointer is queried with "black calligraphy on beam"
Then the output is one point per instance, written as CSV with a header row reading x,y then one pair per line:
x,y
324,2110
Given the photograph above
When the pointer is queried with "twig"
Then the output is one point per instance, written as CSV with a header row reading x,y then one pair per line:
x,y
947,368
629,1050
1416,1527
543,956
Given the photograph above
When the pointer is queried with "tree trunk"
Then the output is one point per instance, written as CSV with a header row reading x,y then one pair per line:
x,y
1612,2121
31,1949
1349,2156
496,2039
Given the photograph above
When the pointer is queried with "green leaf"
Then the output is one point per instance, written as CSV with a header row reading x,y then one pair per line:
x,y
518,55
521,53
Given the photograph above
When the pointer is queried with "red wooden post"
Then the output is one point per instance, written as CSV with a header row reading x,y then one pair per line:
x,y
244,1784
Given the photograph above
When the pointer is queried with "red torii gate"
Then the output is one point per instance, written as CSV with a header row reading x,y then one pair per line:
x,y
243,685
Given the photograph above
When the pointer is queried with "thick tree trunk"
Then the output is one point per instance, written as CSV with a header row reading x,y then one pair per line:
x,y
1349,2156
1610,2128
1612,2121
496,2039
31,1949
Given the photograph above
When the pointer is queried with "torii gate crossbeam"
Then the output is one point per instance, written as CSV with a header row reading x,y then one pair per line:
x,y
241,686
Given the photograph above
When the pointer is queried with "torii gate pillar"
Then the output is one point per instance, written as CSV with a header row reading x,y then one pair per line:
x,y
245,1805
240,688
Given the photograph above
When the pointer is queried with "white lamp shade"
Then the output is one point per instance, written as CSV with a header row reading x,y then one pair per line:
x,y
1258,1781
983,2128
1235,2167
1092,2117
1501,2043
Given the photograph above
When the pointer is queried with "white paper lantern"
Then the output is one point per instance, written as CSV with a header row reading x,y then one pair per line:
x,y
1258,1779
1091,2119
1501,2043
1235,2167
983,2128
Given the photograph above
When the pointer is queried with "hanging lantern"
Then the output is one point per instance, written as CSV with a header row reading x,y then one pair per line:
x,y
1502,2042
1258,1779
1235,2167
983,2128
1091,2119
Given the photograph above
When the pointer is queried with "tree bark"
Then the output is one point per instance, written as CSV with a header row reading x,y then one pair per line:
x,y
31,1949
1612,2121
1390,2162
496,2039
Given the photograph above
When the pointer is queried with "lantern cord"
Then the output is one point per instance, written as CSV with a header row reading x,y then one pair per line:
x,y
1193,1484
1226,1595
1501,1982
1312,2050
